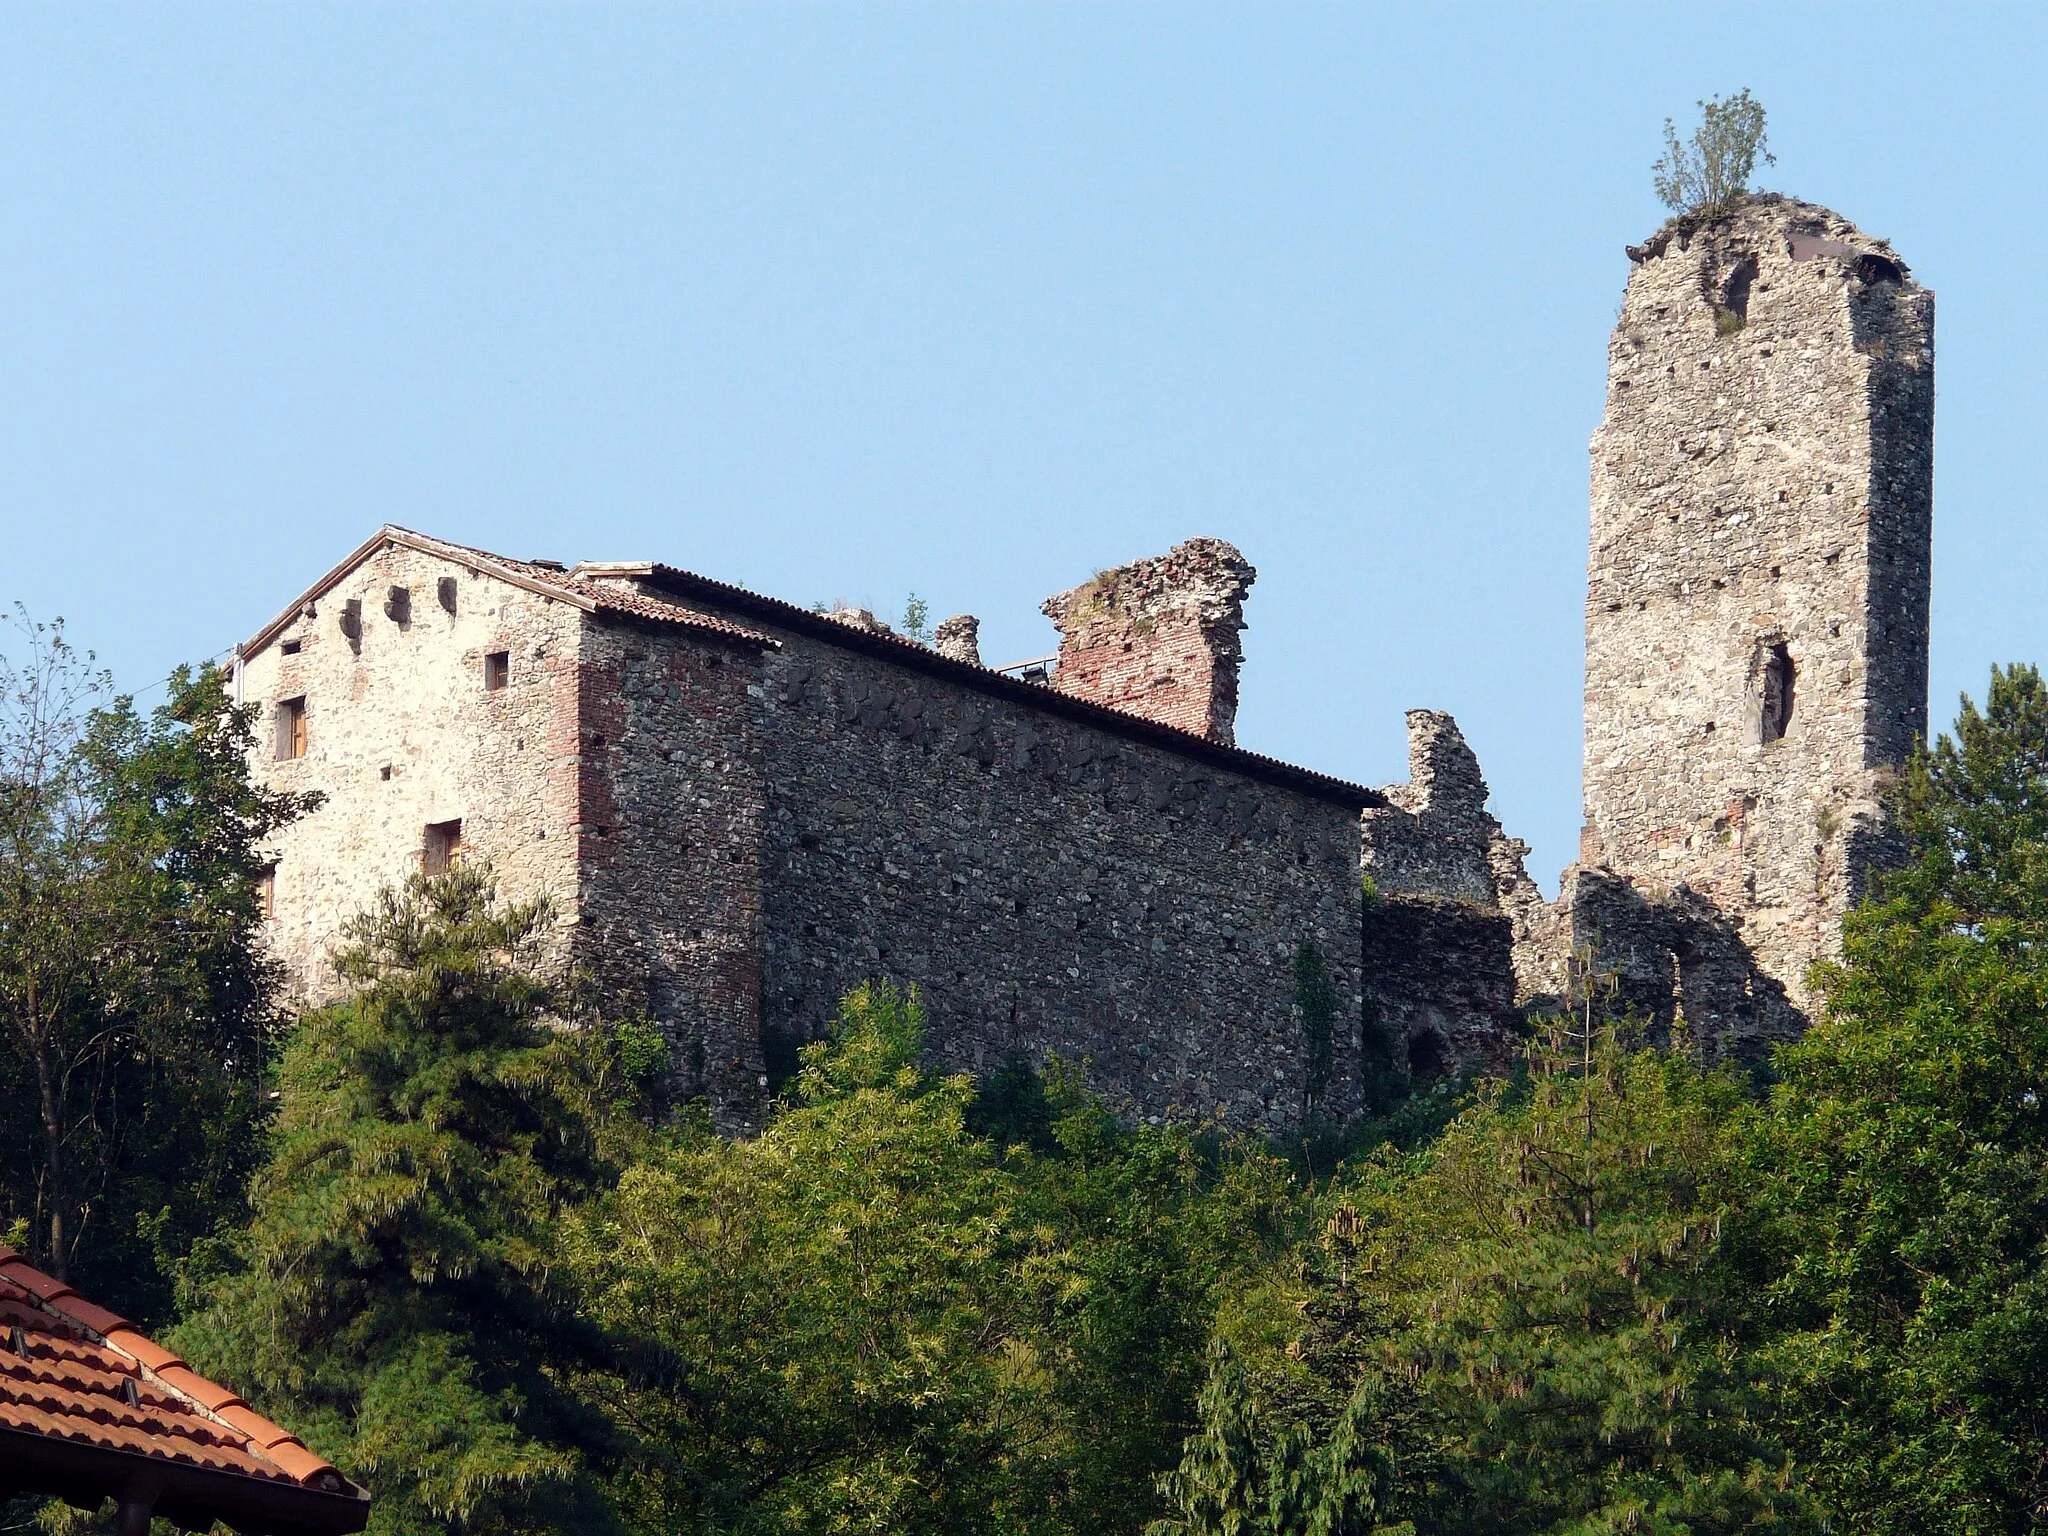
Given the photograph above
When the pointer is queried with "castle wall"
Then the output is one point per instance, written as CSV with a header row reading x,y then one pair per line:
x,y
1756,620
669,838
1050,887
401,734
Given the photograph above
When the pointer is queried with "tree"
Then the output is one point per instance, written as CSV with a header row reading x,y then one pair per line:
x,y
1906,1157
137,1012
1537,1322
876,1319
1711,170
1230,1482
397,1296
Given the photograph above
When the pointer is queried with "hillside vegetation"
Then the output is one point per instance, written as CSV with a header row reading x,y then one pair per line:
x,y
438,1230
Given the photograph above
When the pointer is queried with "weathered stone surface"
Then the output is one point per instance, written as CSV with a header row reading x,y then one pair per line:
x,y
742,809
1757,593
1159,637
959,639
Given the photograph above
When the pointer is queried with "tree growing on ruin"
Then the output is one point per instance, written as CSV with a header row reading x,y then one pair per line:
x,y
1711,169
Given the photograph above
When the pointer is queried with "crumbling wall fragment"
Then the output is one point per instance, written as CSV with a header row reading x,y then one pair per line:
x,y
1159,637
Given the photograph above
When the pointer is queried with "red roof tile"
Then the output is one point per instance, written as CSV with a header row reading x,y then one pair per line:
x,y
73,1372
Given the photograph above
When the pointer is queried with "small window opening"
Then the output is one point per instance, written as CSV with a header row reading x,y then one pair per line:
x,y
266,891
497,670
1775,677
398,605
1425,1056
443,850
444,589
290,647
384,772
291,728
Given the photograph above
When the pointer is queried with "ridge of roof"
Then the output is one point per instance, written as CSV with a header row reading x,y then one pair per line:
x,y
545,580
272,1451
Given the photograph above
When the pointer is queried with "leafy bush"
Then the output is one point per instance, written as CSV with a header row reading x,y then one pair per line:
x,y
1711,170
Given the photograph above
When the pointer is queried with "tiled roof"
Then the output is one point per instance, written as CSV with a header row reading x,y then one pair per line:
x,y
78,1377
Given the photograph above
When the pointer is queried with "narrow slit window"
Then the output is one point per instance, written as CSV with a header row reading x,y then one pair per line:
x,y
266,891
497,670
443,850
291,728
1775,690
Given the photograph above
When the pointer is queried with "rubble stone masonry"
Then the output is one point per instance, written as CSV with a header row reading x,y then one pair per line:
x,y
740,810
1757,593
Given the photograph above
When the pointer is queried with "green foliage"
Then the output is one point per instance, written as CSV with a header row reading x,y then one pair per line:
x,y
1541,1309
1315,995
1906,1164
396,1297
1234,1480
917,615
1711,170
874,1319
137,1011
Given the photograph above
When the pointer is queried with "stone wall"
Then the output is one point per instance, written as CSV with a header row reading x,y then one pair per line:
x,y
1450,900
1756,618
1049,878
1159,637
401,734
737,825
670,839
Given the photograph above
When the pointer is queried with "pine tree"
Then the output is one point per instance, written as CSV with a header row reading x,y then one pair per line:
x,y
395,1296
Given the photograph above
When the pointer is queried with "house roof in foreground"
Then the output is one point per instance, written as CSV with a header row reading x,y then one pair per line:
x,y
602,588
92,1409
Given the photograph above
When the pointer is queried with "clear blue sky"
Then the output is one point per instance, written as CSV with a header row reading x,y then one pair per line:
x,y
842,302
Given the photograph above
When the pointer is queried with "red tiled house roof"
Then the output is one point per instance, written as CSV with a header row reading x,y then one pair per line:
x,y
90,1409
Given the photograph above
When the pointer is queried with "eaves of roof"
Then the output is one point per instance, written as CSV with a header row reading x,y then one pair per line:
x,y
919,658
89,1406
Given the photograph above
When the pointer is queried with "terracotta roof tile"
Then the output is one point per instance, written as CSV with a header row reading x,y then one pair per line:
x,y
74,1371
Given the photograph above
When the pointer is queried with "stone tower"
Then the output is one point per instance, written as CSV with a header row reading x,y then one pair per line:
x,y
1757,589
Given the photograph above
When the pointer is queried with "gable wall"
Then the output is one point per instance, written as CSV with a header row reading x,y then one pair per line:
x,y
411,698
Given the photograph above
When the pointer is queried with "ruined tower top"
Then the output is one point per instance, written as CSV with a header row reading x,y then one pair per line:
x,y
1757,585
1159,637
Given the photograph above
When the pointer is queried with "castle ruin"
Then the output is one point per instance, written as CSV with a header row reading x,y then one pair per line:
x,y
739,808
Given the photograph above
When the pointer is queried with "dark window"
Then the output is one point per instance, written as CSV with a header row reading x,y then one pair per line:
x,y
497,670
290,647
266,890
1426,1056
445,590
398,605
1775,676
443,850
291,728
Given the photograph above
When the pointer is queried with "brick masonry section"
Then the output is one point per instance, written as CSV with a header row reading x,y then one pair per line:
x,y
1159,637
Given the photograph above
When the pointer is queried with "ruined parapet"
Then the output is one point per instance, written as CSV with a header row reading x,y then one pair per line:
x,y
1449,907
959,638
1159,637
1757,588
1434,835
862,619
